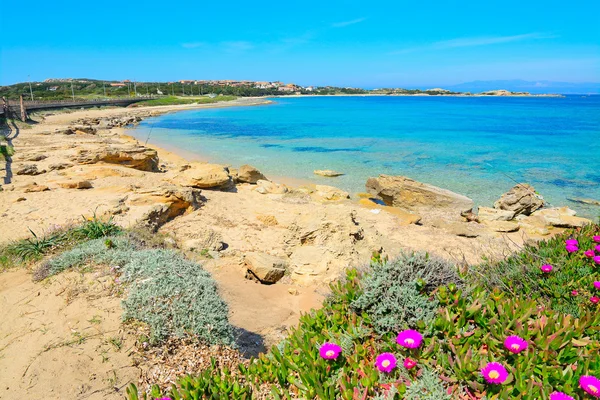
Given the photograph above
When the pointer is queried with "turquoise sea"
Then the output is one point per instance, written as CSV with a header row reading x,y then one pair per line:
x,y
477,146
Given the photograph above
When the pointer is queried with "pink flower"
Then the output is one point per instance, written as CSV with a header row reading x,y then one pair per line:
x,y
589,253
515,344
596,239
571,242
385,362
595,299
330,351
546,268
574,293
590,384
410,339
409,363
597,284
597,259
494,373
560,396
598,248
571,249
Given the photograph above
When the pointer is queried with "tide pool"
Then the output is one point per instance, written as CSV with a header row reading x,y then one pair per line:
x,y
476,146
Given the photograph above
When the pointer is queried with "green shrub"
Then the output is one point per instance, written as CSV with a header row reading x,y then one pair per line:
x,y
35,247
96,228
395,294
427,387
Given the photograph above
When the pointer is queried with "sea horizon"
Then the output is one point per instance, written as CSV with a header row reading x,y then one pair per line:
x,y
476,146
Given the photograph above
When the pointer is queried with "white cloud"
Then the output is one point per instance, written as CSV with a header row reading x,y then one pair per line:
x,y
192,45
347,23
237,46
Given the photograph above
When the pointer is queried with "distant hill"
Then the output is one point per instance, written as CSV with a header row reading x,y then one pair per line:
x,y
537,87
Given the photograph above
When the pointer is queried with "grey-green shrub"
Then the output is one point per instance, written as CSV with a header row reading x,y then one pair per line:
x,y
395,294
427,387
172,295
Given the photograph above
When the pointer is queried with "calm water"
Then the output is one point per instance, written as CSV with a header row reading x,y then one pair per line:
x,y
474,146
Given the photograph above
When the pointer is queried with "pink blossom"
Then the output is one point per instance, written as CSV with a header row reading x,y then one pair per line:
x,y
330,351
597,259
596,239
574,293
547,268
590,384
571,242
409,363
410,339
560,396
385,362
589,253
494,373
597,284
571,249
515,344
595,299
598,248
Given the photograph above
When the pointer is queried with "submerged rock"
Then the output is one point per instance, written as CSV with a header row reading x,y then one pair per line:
x,y
579,200
408,194
521,199
249,174
327,173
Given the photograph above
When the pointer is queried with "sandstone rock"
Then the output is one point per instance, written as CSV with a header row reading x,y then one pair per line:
x,y
268,220
34,187
562,217
580,200
266,187
75,184
207,239
249,174
521,199
59,166
465,229
502,226
330,193
163,203
266,268
534,226
20,199
37,157
327,173
29,169
83,130
494,214
410,195
405,217
137,157
204,176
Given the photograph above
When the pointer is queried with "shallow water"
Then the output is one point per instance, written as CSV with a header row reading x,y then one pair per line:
x,y
476,146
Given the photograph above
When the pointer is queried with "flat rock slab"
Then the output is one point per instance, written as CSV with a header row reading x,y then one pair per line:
x,y
327,173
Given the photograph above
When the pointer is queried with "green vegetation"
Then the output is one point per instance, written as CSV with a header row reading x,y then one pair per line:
x,y
171,100
472,318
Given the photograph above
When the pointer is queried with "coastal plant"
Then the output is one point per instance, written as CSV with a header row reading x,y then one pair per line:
x,y
396,294
36,246
95,227
427,387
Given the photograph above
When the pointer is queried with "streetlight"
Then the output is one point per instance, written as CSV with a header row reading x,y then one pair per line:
x,y
30,91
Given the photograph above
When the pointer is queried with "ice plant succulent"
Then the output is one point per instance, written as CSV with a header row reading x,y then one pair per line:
x,y
571,242
330,351
597,284
597,259
410,339
560,396
590,384
574,293
596,239
515,344
409,363
571,248
595,299
385,362
494,373
589,253
546,268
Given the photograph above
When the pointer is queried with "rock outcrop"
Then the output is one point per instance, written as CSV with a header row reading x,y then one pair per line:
x,y
34,188
264,267
204,176
136,157
249,174
330,193
29,169
521,199
327,173
75,184
494,214
204,240
410,195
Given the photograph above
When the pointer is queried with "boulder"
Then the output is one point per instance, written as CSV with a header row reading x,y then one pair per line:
x,y
204,176
37,157
249,174
521,199
29,169
331,193
136,157
268,187
34,187
494,214
410,195
75,184
327,173
59,166
562,217
159,205
264,267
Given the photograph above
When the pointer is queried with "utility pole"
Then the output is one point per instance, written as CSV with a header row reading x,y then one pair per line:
x,y
30,91
72,90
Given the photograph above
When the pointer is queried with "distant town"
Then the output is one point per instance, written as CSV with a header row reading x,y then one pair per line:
x,y
72,88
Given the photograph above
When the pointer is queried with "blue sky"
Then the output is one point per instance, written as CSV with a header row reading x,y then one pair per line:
x,y
346,43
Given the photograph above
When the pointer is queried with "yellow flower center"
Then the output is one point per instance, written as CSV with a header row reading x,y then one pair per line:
x,y
408,341
515,346
593,388
494,374
329,353
385,363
